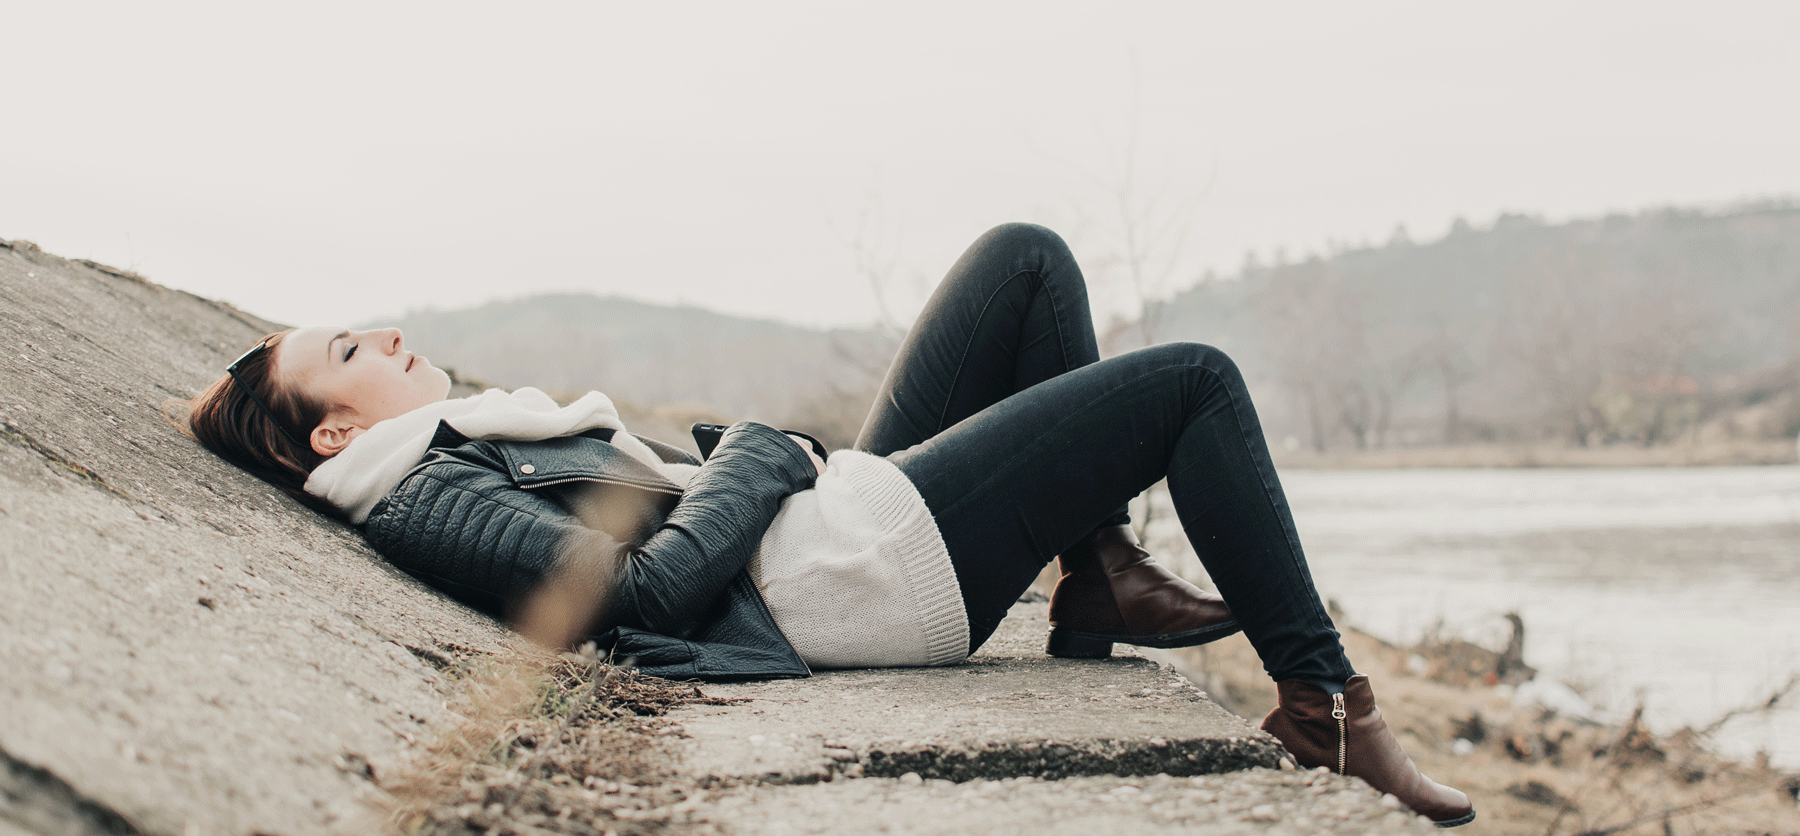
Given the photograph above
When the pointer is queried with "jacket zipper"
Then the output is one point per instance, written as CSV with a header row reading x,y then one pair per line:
x,y
1337,712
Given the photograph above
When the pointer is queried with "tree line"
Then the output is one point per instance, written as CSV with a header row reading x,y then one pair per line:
x,y
1623,329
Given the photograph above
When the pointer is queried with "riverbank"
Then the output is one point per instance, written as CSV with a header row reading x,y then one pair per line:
x,y
1531,770
1717,453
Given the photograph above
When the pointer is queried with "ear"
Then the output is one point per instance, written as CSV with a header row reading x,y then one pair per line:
x,y
334,433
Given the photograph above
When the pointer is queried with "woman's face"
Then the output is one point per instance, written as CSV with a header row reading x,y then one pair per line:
x,y
363,376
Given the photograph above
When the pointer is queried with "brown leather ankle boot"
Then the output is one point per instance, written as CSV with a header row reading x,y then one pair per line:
x,y
1111,590
1346,733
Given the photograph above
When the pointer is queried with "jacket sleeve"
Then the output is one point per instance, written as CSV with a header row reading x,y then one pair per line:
x,y
710,536
474,533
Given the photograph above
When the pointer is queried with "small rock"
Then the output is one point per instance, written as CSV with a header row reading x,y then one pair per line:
x,y
911,779
1462,746
1289,765
1389,801
1537,792
1262,812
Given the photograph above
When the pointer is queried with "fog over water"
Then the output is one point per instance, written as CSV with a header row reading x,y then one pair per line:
x,y
1679,585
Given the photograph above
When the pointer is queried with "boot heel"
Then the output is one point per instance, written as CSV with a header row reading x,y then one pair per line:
x,y
1071,645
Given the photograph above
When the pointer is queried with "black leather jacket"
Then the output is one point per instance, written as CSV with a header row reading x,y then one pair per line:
x,y
488,522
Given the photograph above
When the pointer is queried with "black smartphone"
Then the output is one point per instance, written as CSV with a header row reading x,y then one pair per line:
x,y
706,437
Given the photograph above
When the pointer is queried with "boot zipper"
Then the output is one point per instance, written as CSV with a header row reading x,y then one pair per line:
x,y
1337,711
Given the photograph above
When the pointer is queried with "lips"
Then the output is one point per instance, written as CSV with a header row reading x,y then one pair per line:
x,y
410,361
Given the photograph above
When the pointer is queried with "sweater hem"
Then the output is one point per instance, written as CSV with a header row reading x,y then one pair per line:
x,y
920,547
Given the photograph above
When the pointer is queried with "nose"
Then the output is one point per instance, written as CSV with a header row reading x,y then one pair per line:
x,y
390,340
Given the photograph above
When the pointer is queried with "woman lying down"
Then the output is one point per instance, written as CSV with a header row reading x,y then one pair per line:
x,y
998,442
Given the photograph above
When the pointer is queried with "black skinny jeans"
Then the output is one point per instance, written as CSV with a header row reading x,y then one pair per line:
x,y
1022,440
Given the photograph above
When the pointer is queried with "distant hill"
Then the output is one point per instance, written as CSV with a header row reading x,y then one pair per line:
x,y
1628,328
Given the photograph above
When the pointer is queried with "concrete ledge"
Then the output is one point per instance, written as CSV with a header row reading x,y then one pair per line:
x,y
1010,711
1259,801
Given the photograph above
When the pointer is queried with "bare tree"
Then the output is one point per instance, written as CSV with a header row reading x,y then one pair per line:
x,y
1447,358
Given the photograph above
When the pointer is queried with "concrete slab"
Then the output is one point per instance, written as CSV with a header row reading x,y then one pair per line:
x,y
183,649
1258,801
1009,711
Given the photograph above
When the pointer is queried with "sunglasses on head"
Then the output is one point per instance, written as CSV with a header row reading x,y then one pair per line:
x,y
233,371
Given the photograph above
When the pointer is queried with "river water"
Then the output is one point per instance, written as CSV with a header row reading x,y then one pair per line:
x,y
1676,586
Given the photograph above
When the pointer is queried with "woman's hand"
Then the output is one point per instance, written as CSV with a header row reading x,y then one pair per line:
x,y
818,463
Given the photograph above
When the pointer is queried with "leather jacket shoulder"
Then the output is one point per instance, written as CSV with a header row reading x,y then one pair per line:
x,y
492,523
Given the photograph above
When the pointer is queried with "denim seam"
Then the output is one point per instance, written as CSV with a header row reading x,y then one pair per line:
x,y
950,393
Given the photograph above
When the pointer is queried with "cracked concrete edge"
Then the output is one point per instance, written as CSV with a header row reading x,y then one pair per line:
x,y
1009,711
1054,761
1001,759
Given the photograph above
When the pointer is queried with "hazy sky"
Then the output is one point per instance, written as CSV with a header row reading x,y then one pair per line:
x,y
333,162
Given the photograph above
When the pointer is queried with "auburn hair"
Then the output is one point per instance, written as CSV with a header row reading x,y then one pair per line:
x,y
226,420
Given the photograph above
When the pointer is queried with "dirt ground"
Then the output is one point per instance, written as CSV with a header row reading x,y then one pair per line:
x,y
1530,772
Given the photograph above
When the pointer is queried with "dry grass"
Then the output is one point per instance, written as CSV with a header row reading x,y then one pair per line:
x,y
1532,773
549,745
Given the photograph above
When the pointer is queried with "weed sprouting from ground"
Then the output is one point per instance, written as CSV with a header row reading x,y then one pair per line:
x,y
540,745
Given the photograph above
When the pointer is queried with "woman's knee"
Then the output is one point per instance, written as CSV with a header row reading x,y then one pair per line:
x,y
1036,245
1020,255
1201,356
1020,233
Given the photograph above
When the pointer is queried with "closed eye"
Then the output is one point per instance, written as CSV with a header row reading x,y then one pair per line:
x,y
350,353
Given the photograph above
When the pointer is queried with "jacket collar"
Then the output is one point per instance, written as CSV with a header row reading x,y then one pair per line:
x,y
589,456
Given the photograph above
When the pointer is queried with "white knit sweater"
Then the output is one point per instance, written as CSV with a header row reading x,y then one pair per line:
x,y
857,575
